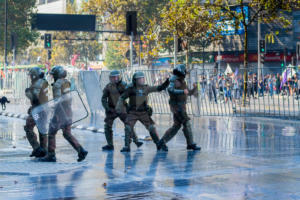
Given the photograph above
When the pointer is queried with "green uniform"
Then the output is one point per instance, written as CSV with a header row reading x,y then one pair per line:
x,y
37,93
138,109
60,87
110,97
177,103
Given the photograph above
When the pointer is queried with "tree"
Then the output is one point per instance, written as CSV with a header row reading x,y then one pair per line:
x,y
19,16
266,10
67,43
113,14
190,21
115,59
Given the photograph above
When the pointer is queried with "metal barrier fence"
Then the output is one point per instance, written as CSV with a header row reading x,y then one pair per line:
x,y
217,95
222,95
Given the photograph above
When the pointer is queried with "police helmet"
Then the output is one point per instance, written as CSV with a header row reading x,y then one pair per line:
x,y
179,70
35,73
137,75
58,72
115,73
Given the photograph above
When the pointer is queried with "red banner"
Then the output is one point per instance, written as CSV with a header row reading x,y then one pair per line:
x,y
252,57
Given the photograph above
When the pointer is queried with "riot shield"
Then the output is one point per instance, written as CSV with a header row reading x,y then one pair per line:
x,y
60,112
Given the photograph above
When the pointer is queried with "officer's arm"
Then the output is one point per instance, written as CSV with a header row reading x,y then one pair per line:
x,y
104,98
35,94
45,88
122,98
172,90
158,88
56,90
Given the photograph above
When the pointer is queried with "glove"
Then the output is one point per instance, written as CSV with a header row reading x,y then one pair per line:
x,y
164,85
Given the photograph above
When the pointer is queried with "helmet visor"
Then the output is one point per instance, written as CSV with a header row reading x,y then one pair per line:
x,y
114,79
140,81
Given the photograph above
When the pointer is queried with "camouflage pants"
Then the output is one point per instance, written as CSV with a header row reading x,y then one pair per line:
x,y
30,134
109,120
66,133
180,118
145,119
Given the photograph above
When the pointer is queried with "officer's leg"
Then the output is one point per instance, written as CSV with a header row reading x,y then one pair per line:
x,y
43,140
109,120
129,126
171,132
31,136
147,121
50,157
82,153
187,131
133,136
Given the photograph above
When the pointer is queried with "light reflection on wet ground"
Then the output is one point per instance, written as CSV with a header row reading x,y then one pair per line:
x,y
240,159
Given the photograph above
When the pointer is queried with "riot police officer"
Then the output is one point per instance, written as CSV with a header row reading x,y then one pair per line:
x,y
138,92
111,94
179,92
60,87
37,93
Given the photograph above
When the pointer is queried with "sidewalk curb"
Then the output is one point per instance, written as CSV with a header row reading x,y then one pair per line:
x,y
79,127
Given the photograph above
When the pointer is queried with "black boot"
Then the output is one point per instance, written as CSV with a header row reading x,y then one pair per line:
x,y
108,147
138,144
82,154
125,149
161,145
50,157
193,147
39,152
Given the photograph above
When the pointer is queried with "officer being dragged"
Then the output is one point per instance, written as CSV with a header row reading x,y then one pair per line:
x,y
138,92
37,93
111,94
60,87
179,92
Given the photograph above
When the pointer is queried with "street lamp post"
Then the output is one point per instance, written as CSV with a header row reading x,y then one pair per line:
x,y
5,36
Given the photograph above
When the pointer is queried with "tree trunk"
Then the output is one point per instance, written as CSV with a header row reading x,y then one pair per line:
x,y
245,65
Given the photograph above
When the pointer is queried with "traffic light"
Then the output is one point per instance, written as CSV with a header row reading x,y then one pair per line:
x,y
262,46
131,22
262,58
49,54
282,64
179,45
47,40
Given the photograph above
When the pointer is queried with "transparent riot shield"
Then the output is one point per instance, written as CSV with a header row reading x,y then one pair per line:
x,y
59,113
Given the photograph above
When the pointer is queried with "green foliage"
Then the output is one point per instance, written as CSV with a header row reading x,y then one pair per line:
x,y
114,11
19,15
114,59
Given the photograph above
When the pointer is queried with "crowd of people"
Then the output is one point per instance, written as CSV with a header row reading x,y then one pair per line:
x,y
222,88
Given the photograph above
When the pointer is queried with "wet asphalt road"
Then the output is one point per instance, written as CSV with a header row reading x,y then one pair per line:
x,y
240,159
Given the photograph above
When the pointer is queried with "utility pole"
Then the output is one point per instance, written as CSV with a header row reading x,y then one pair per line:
x,y
5,36
258,49
131,50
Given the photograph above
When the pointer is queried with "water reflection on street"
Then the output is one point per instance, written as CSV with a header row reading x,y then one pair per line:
x,y
251,158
